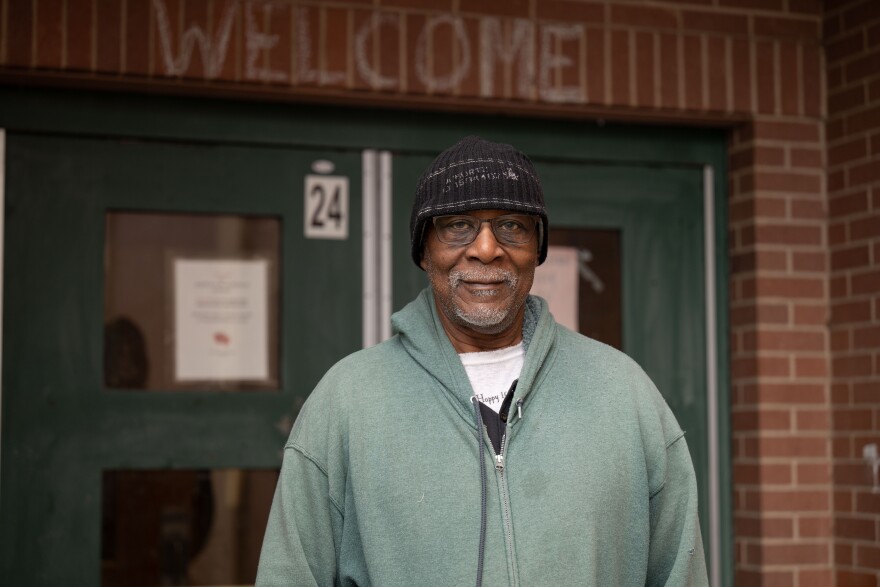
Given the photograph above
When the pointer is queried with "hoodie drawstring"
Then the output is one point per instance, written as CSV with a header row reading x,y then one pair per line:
x,y
478,418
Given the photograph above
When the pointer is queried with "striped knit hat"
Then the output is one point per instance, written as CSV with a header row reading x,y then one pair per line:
x,y
475,174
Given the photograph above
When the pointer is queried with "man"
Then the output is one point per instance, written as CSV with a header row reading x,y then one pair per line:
x,y
483,443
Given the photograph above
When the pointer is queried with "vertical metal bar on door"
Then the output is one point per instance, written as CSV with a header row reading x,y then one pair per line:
x,y
712,377
384,326
2,252
370,335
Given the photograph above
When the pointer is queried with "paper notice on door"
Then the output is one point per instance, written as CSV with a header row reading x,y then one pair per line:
x,y
221,320
556,280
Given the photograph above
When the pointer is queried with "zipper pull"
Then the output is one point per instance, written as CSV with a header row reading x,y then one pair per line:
x,y
499,463
519,404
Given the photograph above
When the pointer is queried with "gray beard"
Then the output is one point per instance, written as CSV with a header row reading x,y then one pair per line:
x,y
484,320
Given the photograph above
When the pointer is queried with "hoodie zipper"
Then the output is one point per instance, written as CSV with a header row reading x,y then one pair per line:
x,y
505,507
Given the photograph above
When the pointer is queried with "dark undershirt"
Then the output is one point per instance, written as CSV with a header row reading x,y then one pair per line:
x,y
496,424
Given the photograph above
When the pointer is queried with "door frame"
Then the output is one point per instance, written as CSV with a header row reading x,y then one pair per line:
x,y
2,274
85,113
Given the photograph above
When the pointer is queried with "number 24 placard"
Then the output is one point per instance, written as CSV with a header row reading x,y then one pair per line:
x,y
326,207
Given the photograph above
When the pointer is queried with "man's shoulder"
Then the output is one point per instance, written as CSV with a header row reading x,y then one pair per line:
x,y
602,371
592,353
350,384
362,375
614,376
366,364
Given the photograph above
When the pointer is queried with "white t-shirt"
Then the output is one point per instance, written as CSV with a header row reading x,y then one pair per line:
x,y
492,372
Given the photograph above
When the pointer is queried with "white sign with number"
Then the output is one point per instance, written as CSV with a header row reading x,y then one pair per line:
x,y
326,207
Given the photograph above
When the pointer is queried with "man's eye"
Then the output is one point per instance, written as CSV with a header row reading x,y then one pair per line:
x,y
512,226
458,225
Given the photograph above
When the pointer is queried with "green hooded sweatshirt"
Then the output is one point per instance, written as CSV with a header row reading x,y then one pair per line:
x,y
380,483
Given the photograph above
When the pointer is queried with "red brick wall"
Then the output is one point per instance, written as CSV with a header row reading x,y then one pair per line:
x,y
686,59
804,196
779,361
852,40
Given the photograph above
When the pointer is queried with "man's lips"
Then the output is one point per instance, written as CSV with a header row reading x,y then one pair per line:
x,y
483,289
483,283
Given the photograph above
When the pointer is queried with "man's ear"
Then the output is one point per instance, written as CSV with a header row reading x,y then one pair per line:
x,y
422,262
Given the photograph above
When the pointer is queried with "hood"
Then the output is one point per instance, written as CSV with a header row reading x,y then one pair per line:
x,y
420,331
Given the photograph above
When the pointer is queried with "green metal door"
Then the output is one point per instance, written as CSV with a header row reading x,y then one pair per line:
x,y
74,431
64,429
652,270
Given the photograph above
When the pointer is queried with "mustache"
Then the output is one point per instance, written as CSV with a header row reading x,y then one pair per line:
x,y
509,278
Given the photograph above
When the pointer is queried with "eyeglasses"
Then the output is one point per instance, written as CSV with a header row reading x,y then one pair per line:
x,y
509,229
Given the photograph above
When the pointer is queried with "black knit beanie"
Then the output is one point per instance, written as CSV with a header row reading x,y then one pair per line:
x,y
476,174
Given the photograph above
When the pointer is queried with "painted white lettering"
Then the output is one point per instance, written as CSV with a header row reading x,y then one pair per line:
x,y
459,70
551,61
367,32
505,45
518,43
213,51
304,70
258,44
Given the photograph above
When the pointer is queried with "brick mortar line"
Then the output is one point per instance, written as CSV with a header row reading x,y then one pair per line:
x,y
786,273
63,34
34,17
759,382
772,353
787,118
857,272
801,95
799,515
855,379
846,220
868,135
846,85
93,51
789,488
760,221
797,566
792,429
786,327
773,245
861,541
752,461
767,142
843,62
854,112
842,166
789,358
775,380
759,408
784,515
842,195
786,168
744,197
849,166
4,50
788,171
785,198
791,432
859,243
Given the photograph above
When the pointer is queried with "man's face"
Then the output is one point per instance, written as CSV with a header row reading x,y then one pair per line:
x,y
482,286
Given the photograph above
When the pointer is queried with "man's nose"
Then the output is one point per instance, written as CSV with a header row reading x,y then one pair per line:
x,y
485,247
